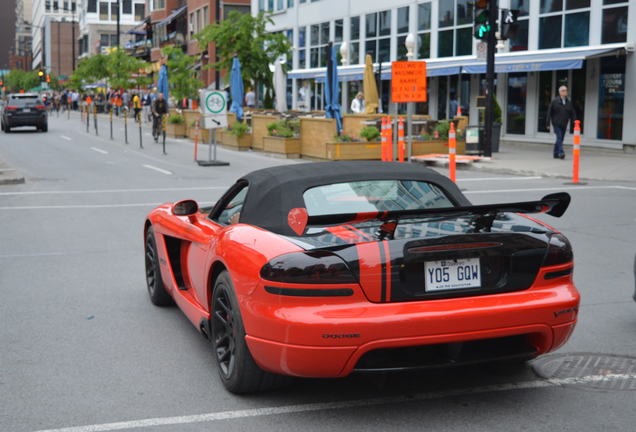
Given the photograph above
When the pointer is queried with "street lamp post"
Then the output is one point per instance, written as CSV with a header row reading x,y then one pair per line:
x,y
344,53
118,19
409,44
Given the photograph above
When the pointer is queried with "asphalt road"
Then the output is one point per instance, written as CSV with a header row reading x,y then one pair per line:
x,y
83,347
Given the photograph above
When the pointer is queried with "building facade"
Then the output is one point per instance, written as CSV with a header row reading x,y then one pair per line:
x,y
20,55
586,44
98,25
58,40
43,12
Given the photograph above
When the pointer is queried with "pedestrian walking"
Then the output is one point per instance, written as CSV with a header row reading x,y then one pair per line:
x,y
136,103
560,113
250,98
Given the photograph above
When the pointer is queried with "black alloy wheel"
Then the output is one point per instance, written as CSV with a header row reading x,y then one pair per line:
x,y
156,289
224,332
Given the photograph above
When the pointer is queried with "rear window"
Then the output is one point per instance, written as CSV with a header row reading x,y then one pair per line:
x,y
374,195
24,100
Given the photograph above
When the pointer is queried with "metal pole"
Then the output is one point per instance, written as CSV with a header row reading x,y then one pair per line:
x,y
163,132
110,115
73,42
118,18
95,117
140,143
410,110
88,118
490,79
126,126
212,140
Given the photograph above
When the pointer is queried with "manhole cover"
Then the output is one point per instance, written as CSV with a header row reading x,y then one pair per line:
x,y
621,370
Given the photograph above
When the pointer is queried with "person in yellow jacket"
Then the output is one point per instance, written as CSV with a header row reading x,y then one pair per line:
x,y
136,102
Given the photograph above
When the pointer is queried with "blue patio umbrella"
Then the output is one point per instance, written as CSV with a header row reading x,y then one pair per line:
x,y
236,88
332,90
162,83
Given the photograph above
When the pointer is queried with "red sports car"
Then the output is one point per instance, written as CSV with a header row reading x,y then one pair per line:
x,y
324,269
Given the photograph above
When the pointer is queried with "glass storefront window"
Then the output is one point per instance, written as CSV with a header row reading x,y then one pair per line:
x,y
445,43
442,94
577,90
354,53
611,97
401,49
614,25
424,16
354,30
545,98
372,25
446,18
424,45
550,32
465,11
385,23
464,41
523,6
519,40
384,50
577,4
403,20
339,24
371,49
516,113
548,6
577,29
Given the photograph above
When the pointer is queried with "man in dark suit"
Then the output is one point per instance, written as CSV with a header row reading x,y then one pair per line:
x,y
560,113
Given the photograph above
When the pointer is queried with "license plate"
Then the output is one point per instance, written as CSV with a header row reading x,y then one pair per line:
x,y
26,110
452,274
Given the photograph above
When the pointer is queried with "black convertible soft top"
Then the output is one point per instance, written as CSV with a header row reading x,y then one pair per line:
x,y
273,192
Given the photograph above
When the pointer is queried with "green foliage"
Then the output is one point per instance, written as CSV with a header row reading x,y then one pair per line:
x,y
182,77
89,70
17,80
239,129
370,133
119,69
175,118
344,138
426,137
246,37
284,128
442,128
496,110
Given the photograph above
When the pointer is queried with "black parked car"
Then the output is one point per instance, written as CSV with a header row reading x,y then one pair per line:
x,y
24,109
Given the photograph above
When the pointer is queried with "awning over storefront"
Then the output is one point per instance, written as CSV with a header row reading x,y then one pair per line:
x,y
526,61
534,61
172,16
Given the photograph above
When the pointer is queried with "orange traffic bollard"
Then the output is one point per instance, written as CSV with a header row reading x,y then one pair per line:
x,y
452,145
383,140
401,140
576,151
389,139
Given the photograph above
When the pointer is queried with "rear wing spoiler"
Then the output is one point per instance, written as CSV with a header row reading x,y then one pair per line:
x,y
553,204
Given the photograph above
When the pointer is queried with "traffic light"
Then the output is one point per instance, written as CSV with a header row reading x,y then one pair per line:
x,y
41,75
508,23
481,26
48,78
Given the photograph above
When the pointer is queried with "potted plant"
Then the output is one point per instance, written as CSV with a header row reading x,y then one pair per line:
x,y
370,133
175,125
283,138
237,136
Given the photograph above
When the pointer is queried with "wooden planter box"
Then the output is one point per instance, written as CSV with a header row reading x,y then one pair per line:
x,y
354,150
175,130
352,124
190,116
289,147
233,142
259,128
315,133
436,146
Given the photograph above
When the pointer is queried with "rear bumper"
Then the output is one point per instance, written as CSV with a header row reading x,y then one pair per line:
x,y
25,120
296,337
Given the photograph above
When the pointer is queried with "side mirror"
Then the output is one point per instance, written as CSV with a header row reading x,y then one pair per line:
x,y
185,208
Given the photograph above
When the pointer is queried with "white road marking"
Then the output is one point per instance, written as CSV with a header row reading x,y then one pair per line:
x,y
546,189
66,138
322,406
98,150
499,178
100,191
161,170
90,206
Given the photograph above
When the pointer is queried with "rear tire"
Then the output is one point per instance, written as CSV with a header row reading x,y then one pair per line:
x,y
45,127
237,369
156,290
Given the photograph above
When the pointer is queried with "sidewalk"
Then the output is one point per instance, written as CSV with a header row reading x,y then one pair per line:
x,y
9,175
536,160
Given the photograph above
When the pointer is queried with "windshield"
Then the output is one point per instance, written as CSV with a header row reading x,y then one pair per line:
x,y
24,100
374,195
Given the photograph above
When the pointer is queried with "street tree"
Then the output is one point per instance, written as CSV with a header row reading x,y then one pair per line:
x,y
125,71
182,77
89,70
17,80
246,37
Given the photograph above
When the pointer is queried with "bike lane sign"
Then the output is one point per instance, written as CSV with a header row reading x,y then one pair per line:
x,y
213,105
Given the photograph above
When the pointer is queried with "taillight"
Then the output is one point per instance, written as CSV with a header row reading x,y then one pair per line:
x,y
313,267
11,108
559,251
40,107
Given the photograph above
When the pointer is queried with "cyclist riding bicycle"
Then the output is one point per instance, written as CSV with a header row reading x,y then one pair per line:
x,y
159,108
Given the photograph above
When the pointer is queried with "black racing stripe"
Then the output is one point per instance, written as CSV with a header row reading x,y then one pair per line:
x,y
310,292
383,275
558,273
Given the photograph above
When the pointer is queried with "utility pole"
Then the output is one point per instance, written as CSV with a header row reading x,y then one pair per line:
x,y
118,19
490,77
